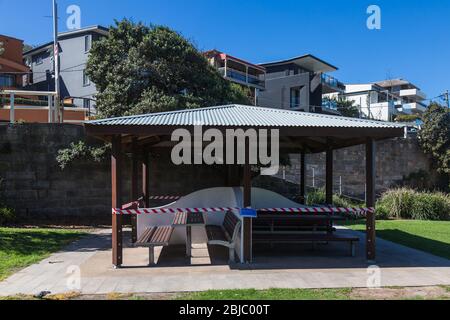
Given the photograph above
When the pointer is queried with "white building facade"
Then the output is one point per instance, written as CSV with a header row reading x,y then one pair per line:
x,y
385,100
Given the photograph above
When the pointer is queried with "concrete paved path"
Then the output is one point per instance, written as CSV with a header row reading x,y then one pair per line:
x,y
85,267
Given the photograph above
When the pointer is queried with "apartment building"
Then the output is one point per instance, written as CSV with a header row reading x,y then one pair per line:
x,y
384,100
74,46
300,84
12,68
239,71
409,98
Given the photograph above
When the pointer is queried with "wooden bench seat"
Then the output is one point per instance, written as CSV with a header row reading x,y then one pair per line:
x,y
288,238
155,237
294,222
226,234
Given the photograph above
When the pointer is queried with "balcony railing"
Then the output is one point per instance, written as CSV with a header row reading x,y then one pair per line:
x,y
329,104
241,77
332,82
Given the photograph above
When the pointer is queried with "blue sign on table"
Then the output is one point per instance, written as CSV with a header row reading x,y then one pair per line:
x,y
249,213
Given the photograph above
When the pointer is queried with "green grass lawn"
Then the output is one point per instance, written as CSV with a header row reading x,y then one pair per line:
x,y
272,294
20,248
428,236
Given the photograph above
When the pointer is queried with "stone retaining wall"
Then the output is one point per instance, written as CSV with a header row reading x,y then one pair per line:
x,y
38,189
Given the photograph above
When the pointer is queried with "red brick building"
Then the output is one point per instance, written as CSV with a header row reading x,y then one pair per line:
x,y
12,68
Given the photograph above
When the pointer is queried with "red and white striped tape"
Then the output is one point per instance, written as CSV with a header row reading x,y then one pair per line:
x,y
165,197
174,210
319,210
357,211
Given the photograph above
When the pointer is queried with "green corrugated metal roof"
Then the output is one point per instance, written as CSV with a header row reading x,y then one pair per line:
x,y
243,116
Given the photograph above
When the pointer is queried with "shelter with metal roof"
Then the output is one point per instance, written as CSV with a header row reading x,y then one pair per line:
x,y
299,132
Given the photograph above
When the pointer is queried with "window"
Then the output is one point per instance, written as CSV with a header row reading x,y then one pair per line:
x,y
39,59
86,81
87,43
87,104
6,80
295,98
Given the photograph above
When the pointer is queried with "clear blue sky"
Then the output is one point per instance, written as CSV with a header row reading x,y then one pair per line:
x,y
414,42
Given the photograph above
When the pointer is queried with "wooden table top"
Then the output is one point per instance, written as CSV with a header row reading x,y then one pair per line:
x,y
188,219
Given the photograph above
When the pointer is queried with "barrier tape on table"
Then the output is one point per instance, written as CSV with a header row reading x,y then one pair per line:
x,y
329,210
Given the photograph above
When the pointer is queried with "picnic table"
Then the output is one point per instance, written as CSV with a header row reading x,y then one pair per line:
x,y
188,220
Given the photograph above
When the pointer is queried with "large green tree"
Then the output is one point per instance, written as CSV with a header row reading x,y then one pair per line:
x,y
140,69
435,136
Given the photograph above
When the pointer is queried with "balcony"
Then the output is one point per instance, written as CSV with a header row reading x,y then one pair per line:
x,y
242,78
415,94
331,84
414,107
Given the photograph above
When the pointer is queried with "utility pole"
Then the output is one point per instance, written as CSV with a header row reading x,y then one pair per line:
x,y
58,115
447,98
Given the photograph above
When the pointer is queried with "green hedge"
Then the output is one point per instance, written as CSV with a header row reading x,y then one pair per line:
x,y
410,204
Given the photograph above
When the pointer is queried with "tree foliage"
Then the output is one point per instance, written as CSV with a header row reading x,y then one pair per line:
x,y
27,47
140,69
435,136
345,107
407,118
80,150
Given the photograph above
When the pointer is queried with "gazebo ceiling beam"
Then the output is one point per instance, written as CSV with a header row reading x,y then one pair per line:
x,y
306,132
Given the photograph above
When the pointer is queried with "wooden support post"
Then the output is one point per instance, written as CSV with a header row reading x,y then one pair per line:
x,y
116,179
134,185
247,225
145,177
12,119
329,177
370,195
233,179
302,178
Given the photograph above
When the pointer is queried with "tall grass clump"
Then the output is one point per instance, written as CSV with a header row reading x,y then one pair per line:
x,y
406,203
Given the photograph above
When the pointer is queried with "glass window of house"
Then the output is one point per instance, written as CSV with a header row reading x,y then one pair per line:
x,y
6,80
87,43
39,59
86,81
86,103
295,97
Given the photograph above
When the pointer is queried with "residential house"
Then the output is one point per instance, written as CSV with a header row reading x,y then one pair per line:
x,y
300,84
74,46
239,71
12,68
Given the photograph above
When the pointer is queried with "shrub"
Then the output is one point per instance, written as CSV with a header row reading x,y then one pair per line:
x,y
7,216
410,204
407,118
318,197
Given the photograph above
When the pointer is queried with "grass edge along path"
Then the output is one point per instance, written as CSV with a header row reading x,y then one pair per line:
x,y
429,236
20,247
